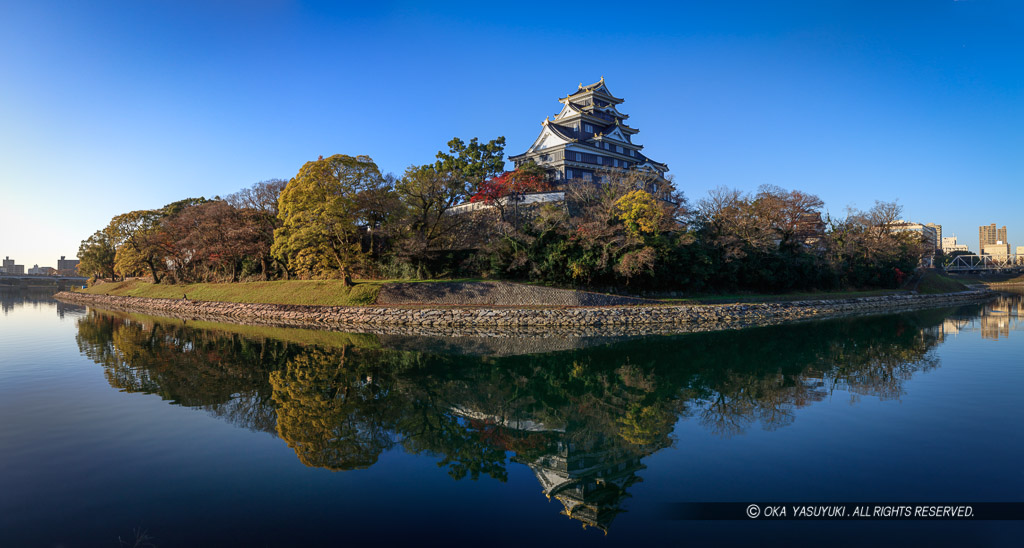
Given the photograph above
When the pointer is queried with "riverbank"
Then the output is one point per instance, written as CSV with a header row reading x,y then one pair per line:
x,y
989,279
644,318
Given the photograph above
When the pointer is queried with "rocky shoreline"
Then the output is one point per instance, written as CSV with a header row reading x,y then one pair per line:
x,y
497,321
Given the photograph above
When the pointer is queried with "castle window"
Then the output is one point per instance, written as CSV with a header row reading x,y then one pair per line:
x,y
618,149
587,177
632,152
588,128
599,159
568,174
579,157
615,163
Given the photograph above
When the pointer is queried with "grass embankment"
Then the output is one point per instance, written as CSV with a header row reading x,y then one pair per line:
x,y
334,292
304,292
989,278
932,283
772,297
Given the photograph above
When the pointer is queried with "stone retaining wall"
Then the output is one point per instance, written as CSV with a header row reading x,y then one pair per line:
x,y
494,294
465,320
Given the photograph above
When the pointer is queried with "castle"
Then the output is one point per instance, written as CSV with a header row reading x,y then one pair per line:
x,y
587,139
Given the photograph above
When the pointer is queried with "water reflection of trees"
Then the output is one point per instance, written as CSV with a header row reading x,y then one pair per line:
x,y
225,375
581,420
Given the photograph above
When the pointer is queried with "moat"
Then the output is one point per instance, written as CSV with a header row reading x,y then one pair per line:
x,y
121,426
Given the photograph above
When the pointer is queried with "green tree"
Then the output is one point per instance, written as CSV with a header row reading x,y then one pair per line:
x,y
96,256
138,231
426,194
625,229
474,162
321,216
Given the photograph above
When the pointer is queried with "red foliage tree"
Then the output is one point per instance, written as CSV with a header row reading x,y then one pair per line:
x,y
510,183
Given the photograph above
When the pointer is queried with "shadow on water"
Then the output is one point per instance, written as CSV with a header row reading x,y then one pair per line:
x,y
582,420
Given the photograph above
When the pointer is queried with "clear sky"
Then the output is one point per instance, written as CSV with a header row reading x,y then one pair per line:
x,y
107,107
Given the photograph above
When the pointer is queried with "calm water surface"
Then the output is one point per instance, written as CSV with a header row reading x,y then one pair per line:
x,y
120,428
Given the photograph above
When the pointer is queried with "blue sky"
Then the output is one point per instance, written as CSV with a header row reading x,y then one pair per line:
x,y
106,107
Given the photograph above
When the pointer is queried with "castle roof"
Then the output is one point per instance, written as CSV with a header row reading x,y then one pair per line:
x,y
598,88
564,132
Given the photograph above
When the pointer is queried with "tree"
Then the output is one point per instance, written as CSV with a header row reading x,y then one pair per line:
x,y
321,218
139,232
592,239
475,162
426,194
96,256
640,212
865,249
621,229
214,237
261,197
793,216
731,225
380,208
511,184
260,203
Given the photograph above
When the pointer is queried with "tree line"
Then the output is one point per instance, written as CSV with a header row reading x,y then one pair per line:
x,y
340,217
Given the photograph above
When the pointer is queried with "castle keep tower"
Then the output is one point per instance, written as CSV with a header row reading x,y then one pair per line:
x,y
587,137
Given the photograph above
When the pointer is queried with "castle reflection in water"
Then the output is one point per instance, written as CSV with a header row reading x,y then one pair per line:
x,y
581,420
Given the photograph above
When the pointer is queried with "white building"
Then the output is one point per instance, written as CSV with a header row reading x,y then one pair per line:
x,y
998,250
929,236
949,245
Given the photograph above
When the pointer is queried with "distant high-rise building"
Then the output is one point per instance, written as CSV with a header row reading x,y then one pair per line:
x,y
990,235
938,234
11,268
67,265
